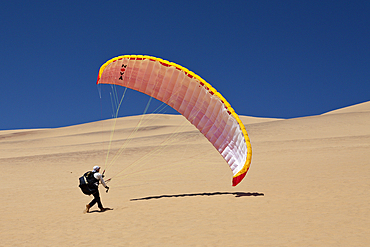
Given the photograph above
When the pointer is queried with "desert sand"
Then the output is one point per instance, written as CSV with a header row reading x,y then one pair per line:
x,y
308,185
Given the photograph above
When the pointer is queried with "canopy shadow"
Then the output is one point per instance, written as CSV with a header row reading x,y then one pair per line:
x,y
236,194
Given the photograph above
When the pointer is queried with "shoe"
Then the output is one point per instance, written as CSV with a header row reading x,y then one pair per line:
x,y
87,208
104,209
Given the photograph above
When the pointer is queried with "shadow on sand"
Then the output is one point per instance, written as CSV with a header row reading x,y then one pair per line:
x,y
236,194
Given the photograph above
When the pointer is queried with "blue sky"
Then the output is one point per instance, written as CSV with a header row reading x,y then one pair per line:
x,y
281,59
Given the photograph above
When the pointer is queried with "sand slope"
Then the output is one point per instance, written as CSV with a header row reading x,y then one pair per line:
x,y
308,184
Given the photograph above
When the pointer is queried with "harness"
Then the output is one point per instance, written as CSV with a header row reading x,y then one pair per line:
x,y
88,183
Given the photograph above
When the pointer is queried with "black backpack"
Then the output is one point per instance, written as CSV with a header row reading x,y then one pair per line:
x,y
88,183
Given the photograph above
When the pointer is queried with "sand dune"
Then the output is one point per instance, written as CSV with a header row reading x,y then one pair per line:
x,y
308,184
363,107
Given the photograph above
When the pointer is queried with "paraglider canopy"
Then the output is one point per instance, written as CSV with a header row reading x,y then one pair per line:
x,y
191,96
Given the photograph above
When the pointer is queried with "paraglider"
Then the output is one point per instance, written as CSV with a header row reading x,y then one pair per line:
x,y
192,97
